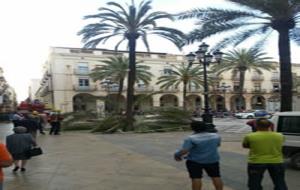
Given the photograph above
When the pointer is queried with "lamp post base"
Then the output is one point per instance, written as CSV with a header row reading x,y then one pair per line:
x,y
207,118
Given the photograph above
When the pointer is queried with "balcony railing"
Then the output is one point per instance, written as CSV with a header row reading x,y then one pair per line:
x,y
115,89
85,88
235,91
194,90
81,72
257,78
259,91
144,89
275,78
172,90
235,78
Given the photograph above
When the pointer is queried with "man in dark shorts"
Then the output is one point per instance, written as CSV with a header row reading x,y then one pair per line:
x,y
201,150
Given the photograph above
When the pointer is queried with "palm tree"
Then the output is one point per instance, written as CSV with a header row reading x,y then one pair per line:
x,y
241,60
182,74
116,69
130,23
260,19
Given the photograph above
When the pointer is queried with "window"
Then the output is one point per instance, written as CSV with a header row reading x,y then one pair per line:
x,y
83,67
276,87
236,87
257,86
167,71
289,124
83,82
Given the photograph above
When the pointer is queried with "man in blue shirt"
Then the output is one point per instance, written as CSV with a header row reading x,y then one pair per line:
x,y
201,150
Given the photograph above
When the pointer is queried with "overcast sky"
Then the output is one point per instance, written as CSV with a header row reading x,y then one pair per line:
x,y
29,28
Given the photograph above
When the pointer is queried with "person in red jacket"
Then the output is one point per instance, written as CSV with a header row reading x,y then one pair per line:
x,y
5,161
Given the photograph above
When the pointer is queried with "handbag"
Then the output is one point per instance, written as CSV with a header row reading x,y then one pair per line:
x,y
36,151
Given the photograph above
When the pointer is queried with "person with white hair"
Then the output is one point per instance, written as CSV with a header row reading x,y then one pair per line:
x,y
18,144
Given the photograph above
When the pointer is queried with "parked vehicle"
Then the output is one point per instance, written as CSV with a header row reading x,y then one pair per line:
x,y
252,114
288,123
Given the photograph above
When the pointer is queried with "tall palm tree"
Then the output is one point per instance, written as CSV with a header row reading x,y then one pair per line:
x,y
259,18
130,23
186,75
241,60
116,69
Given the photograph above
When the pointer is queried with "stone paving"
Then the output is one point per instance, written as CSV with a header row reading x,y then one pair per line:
x,y
79,160
84,161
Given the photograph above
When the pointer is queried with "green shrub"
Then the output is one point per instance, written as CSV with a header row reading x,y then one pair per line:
x,y
163,120
111,124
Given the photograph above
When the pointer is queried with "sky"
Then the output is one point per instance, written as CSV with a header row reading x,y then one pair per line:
x,y
29,28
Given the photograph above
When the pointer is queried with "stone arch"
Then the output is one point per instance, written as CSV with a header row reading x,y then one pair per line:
x,y
84,102
194,102
168,100
258,102
236,105
217,103
113,102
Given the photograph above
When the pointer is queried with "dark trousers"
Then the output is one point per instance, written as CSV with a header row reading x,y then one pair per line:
x,y
256,173
55,128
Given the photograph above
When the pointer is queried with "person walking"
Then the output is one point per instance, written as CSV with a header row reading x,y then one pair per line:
x,y
37,118
55,119
5,161
265,153
17,119
201,150
18,144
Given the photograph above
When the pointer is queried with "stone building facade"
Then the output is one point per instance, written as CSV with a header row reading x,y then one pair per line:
x,y
7,96
66,84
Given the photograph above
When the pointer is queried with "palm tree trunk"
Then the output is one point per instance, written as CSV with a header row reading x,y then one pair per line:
x,y
241,90
120,90
184,95
285,70
131,80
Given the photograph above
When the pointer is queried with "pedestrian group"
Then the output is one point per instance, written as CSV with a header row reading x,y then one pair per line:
x,y
19,146
265,154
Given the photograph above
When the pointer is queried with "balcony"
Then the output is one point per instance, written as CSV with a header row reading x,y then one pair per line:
x,y
85,88
259,91
236,91
81,72
194,90
170,90
257,78
275,78
235,78
144,89
114,89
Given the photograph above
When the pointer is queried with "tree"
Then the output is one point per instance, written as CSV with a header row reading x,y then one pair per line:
x,y
116,69
241,60
259,18
185,75
130,23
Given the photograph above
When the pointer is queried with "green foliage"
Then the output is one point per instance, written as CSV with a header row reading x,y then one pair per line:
x,y
116,20
78,120
244,60
164,119
111,124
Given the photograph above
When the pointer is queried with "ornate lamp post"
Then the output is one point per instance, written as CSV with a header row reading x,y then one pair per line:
x,y
205,59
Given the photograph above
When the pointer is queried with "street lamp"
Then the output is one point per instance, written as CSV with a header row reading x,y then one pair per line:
x,y
205,59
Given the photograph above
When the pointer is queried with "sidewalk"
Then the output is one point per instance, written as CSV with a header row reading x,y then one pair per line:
x,y
81,161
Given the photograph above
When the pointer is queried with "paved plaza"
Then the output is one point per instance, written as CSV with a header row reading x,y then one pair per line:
x,y
79,160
